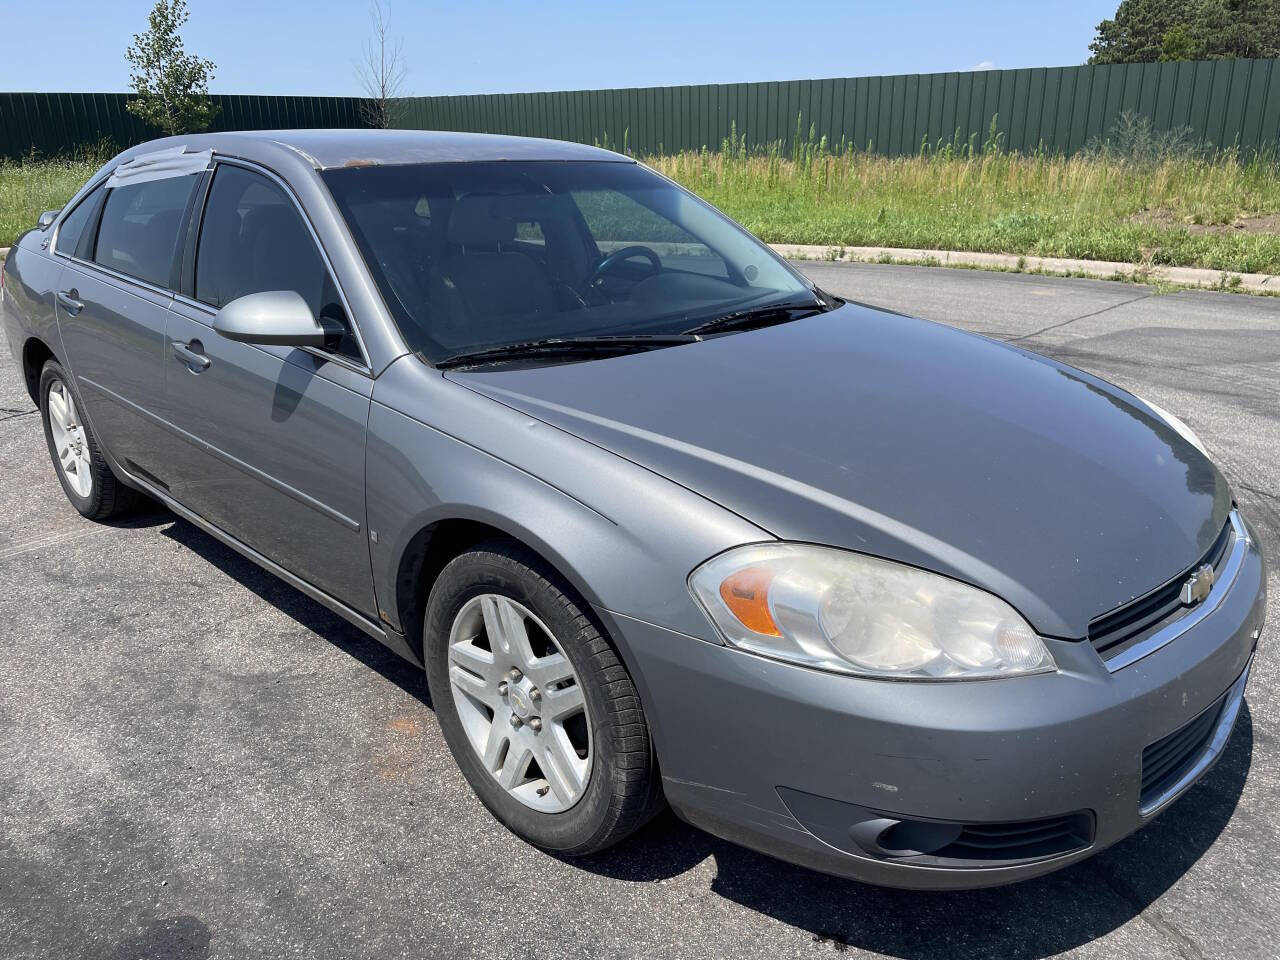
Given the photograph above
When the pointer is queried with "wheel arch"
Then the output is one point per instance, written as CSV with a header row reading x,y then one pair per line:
x,y
441,538
35,354
449,533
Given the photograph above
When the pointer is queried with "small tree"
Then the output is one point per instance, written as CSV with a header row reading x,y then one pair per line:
x,y
382,72
172,85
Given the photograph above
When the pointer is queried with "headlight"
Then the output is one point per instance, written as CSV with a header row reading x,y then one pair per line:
x,y
1179,427
850,613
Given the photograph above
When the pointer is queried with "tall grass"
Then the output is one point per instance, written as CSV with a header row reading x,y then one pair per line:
x,y
29,187
1136,198
1103,204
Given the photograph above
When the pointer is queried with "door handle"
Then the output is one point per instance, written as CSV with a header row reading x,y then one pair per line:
x,y
69,302
197,362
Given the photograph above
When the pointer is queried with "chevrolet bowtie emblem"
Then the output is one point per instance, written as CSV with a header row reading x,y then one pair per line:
x,y
1198,585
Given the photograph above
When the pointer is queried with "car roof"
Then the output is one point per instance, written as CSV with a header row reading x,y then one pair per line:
x,y
327,149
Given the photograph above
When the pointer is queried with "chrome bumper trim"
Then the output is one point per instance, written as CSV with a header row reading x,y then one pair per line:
x,y
1167,634
1221,734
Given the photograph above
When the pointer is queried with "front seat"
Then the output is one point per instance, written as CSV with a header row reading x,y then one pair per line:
x,y
480,285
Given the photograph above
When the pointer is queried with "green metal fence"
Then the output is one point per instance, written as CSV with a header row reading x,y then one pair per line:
x,y
50,124
1225,103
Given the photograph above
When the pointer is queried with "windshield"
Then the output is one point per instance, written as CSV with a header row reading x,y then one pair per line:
x,y
473,256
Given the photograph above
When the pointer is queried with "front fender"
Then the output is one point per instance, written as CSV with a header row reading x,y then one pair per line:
x,y
623,536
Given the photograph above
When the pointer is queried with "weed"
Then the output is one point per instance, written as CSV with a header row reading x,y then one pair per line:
x,y
1132,202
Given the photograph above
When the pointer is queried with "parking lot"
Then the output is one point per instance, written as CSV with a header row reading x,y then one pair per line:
x,y
198,761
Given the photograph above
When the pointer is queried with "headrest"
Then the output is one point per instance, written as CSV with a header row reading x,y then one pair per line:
x,y
475,220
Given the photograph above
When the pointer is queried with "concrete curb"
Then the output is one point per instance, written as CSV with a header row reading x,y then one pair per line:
x,y
1102,269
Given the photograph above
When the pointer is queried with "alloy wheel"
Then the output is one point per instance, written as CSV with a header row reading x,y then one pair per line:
x,y
69,439
520,702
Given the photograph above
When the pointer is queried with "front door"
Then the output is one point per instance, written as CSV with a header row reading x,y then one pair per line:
x,y
275,435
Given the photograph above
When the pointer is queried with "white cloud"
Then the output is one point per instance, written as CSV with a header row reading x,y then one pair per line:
x,y
984,65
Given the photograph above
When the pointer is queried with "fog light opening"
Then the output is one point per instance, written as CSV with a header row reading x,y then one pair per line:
x,y
908,838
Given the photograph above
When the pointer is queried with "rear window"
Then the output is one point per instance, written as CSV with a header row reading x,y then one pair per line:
x,y
138,235
72,228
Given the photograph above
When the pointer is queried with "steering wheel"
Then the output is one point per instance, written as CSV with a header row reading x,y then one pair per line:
x,y
626,253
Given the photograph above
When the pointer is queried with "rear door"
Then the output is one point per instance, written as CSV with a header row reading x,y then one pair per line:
x,y
120,246
274,435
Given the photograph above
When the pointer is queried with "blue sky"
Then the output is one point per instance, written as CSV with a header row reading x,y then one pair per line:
x,y
484,46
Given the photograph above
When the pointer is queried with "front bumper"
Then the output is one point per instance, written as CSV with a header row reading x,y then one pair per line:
x,y
795,762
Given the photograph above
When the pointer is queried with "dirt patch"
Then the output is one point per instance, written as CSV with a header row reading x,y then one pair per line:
x,y
1167,221
400,757
406,724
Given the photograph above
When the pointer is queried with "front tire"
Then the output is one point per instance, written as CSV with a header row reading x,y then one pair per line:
x,y
82,470
535,705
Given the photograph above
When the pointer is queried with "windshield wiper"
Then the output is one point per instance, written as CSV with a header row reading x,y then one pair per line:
x,y
568,346
763,316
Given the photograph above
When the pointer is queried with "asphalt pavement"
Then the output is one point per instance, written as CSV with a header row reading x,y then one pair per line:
x,y
198,761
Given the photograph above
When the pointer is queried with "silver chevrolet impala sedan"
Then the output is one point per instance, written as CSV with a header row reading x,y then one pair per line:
x,y
664,522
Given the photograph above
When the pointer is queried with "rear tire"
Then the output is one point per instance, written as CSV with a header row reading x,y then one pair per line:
x,y
487,603
85,475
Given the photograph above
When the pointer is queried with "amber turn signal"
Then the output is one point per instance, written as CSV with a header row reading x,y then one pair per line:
x,y
746,594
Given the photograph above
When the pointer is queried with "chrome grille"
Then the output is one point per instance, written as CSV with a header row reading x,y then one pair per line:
x,y
1115,632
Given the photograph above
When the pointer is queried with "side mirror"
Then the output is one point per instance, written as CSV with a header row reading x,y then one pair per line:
x,y
46,219
279,317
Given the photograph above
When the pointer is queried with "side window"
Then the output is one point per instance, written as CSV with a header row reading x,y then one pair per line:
x,y
530,231
71,231
252,240
138,235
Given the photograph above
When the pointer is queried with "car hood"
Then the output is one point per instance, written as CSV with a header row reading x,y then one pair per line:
x,y
909,440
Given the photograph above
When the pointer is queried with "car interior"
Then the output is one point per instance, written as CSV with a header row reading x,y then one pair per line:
x,y
487,267
139,228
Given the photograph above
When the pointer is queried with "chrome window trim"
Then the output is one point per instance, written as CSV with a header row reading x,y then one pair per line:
x,y
367,368
1171,632
1221,734
117,275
